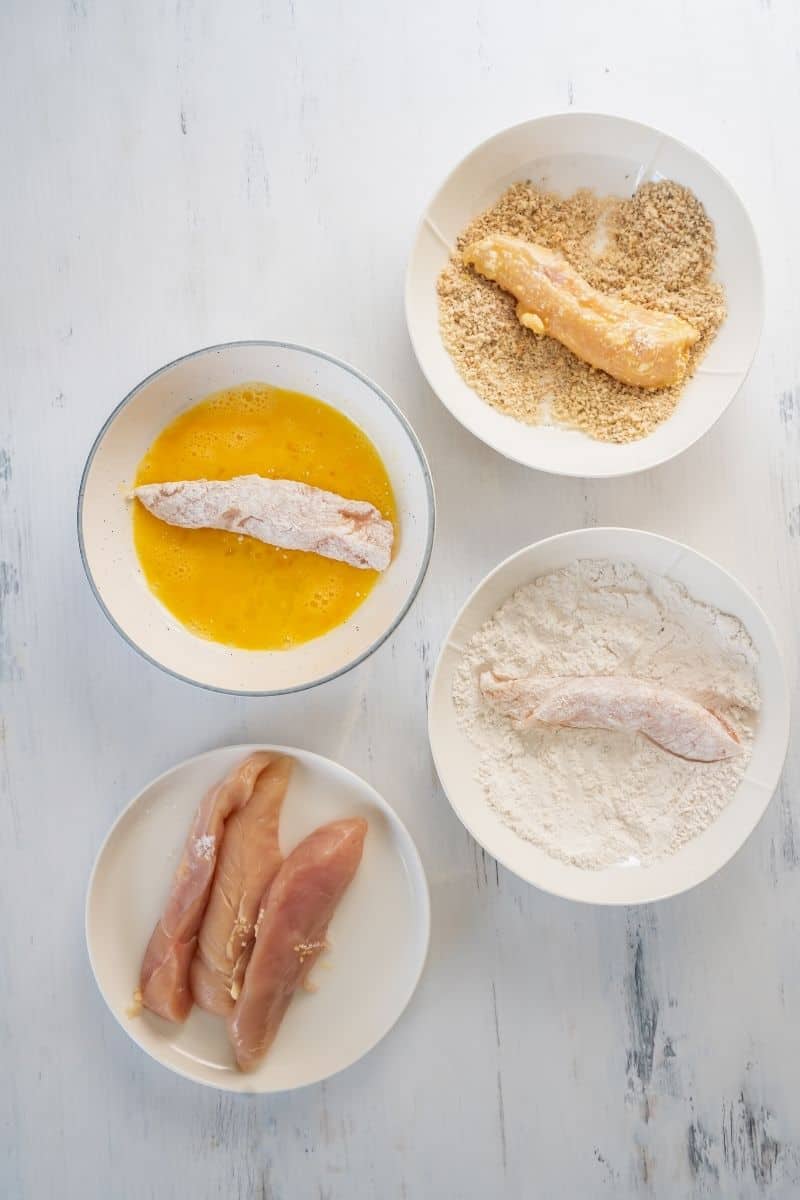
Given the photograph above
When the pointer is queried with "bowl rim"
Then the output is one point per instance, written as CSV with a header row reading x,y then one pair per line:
x,y
412,437
568,114
785,695
421,888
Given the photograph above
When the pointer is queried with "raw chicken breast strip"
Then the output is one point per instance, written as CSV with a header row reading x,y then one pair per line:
x,y
246,866
291,930
636,345
671,720
164,980
294,516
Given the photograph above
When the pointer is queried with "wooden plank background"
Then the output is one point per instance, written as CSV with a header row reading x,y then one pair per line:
x,y
177,174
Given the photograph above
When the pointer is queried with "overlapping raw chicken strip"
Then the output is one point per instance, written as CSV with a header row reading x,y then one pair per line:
x,y
636,345
671,720
247,863
291,931
281,512
164,980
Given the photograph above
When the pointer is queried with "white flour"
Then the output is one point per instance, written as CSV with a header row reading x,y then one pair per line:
x,y
596,797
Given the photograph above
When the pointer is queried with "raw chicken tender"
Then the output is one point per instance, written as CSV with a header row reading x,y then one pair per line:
x,y
291,930
164,981
671,720
636,345
246,865
281,512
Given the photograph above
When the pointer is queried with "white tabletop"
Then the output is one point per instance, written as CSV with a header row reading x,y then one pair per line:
x,y
178,174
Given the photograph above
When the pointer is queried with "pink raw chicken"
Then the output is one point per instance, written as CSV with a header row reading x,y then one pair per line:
x,y
248,862
164,981
673,721
291,930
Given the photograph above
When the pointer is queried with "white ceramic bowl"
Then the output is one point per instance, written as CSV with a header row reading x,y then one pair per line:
x,y
105,527
379,933
456,757
611,155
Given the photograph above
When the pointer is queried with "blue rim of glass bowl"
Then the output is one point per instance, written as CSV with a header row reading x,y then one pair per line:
x,y
431,514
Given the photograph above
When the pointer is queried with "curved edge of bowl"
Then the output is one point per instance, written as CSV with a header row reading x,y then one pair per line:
x,y
785,696
569,114
430,534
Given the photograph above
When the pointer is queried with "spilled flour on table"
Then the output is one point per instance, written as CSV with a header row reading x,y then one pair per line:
x,y
597,797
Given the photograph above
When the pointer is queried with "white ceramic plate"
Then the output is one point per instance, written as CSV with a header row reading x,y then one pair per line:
x,y
457,759
379,934
105,526
611,155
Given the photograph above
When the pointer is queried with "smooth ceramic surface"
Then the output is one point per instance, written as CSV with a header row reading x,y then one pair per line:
x,y
612,156
378,936
105,527
457,758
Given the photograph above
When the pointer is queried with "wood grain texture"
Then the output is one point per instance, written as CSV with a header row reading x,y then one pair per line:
x,y
182,173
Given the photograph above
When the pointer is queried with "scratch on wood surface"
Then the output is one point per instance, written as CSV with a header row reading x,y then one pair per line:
x,y
611,1174
481,869
425,655
747,1144
788,843
255,167
494,1013
502,1120
9,588
6,790
484,62
78,12
644,1164
642,1008
699,1150
325,1117
311,166
789,406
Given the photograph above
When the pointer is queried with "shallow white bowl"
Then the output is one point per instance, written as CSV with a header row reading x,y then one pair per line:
x,y
379,933
106,536
456,758
611,155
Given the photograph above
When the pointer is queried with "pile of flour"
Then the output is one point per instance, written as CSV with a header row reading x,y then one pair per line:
x,y
595,797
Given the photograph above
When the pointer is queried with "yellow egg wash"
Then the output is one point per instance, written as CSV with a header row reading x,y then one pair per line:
x,y
237,590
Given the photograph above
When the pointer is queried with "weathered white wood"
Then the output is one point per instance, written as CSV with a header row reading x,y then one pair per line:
x,y
177,174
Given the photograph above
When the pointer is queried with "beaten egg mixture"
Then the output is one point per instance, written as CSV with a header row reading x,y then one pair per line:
x,y
234,589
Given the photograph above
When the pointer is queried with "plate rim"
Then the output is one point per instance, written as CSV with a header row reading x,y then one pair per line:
x,y
421,892
431,515
568,114
785,696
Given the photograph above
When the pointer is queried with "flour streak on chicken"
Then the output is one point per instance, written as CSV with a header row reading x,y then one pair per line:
x,y
280,512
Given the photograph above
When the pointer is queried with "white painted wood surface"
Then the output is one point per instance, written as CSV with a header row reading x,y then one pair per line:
x,y
177,174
